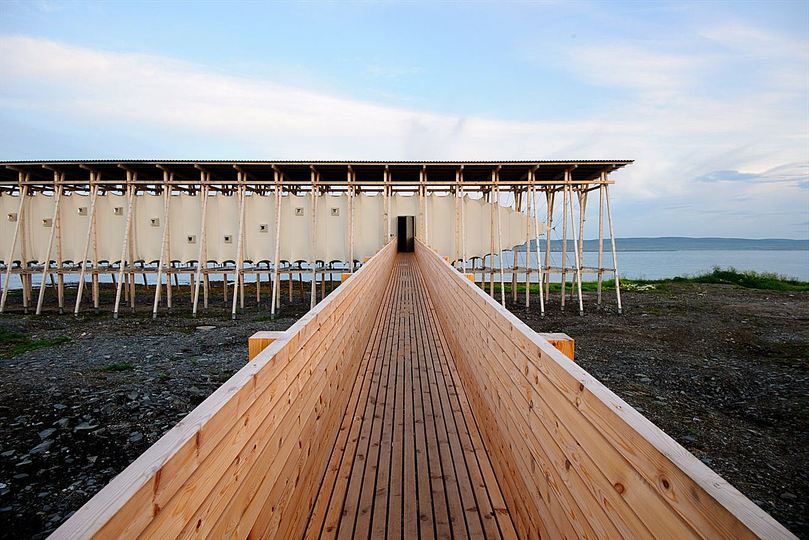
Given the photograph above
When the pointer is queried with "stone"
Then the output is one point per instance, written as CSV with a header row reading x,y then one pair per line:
x,y
84,427
62,422
41,448
8,453
688,439
133,395
787,496
59,406
135,437
645,380
205,328
45,433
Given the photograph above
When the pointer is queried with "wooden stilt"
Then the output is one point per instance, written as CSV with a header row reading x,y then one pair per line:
x,y
529,201
47,262
350,181
565,196
550,195
499,236
130,192
276,298
201,252
17,228
313,239
600,238
577,259
540,272
60,278
491,237
237,282
164,256
614,251
463,224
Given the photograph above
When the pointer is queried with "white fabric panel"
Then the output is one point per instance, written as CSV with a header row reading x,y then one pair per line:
x,y
74,227
111,227
38,208
8,205
332,230
147,239
295,229
223,220
369,231
258,245
222,223
185,214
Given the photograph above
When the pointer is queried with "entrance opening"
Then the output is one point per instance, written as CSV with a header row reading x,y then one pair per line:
x,y
406,233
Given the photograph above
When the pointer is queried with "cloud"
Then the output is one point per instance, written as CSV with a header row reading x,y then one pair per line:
x,y
157,107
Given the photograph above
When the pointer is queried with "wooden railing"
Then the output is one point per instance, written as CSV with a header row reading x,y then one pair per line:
x,y
572,458
249,460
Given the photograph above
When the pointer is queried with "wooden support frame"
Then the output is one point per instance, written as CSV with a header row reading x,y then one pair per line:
x,y
165,253
57,197
276,293
125,251
201,253
10,257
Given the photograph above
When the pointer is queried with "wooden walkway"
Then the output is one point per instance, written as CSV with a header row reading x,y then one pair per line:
x,y
409,461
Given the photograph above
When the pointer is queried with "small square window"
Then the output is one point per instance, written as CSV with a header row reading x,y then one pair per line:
x,y
228,239
47,222
192,239
155,222
299,211
118,211
335,212
263,227
12,217
82,210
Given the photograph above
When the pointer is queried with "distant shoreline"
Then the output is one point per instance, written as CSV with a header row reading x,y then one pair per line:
x,y
683,243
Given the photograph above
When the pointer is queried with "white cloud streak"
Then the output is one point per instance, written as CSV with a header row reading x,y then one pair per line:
x,y
675,134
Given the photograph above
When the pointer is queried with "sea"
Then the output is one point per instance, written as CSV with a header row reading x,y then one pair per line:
x,y
643,258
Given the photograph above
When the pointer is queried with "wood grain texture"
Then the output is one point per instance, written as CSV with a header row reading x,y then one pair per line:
x,y
572,457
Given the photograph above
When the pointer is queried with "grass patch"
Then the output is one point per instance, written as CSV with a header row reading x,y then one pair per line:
x,y
15,343
116,367
748,280
163,377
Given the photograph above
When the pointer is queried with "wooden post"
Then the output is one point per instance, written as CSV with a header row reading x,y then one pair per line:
x,y
90,228
238,284
313,239
456,244
10,258
385,208
60,277
94,276
130,192
131,268
565,196
201,239
600,236
47,262
529,201
499,236
576,259
614,252
536,248
463,224
163,243
491,237
276,297
350,180
550,196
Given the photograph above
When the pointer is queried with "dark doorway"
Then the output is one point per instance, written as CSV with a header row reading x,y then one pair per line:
x,y
406,233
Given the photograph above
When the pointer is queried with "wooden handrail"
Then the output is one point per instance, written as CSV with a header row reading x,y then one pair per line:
x,y
573,458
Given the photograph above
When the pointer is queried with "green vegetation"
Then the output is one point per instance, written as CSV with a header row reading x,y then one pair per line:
x,y
163,377
748,280
117,366
15,343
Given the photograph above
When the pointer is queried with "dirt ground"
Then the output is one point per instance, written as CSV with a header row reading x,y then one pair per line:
x,y
724,371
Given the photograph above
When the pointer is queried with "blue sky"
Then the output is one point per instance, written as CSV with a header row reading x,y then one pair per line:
x,y
710,99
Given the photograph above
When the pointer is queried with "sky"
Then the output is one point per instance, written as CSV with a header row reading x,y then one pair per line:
x,y
711,99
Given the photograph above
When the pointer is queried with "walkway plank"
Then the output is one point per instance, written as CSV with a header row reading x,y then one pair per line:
x,y
409,460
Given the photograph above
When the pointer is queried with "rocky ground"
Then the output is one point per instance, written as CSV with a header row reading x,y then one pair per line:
x,y
725,371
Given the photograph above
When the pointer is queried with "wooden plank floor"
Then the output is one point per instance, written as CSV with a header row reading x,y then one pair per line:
x,y
409,461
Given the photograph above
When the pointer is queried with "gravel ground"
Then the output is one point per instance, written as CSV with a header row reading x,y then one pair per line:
x,y
724,371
